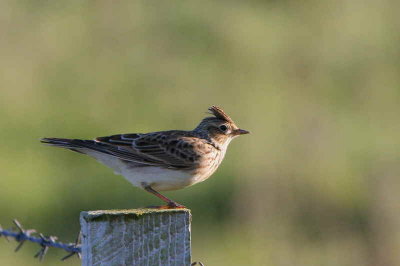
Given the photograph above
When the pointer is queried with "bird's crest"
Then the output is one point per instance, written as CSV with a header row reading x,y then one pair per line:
x,y
219,113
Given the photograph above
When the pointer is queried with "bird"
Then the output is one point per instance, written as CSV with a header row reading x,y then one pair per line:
x,y
163,160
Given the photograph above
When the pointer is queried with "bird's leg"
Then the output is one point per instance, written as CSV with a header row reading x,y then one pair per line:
x,y
170,203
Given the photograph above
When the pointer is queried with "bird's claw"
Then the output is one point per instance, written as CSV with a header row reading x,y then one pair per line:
x,y
174,205
170,205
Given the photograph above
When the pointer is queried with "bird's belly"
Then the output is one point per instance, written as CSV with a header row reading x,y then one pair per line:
x,y
160,179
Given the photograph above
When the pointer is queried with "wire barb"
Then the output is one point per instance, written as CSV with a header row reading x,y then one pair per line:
x,y
75,245
45,245
22,235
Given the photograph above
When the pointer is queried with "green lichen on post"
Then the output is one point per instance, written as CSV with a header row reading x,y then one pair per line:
x,y
134,213
136,237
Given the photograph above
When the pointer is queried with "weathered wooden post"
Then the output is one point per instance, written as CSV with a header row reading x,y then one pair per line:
x,y
136,237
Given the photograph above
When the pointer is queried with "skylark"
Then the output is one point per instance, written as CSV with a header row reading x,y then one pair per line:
x,y
164,160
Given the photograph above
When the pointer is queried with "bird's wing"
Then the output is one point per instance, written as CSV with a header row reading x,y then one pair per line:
x,y
169,149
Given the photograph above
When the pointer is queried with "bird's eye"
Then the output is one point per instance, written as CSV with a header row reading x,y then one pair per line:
x,y
223,128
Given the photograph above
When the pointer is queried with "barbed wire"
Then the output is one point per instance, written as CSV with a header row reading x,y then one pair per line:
x,y
45,242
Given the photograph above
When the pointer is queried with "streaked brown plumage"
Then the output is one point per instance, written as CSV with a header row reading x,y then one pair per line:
x,y
164,160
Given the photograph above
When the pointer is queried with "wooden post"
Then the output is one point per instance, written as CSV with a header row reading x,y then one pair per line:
x,y
136,237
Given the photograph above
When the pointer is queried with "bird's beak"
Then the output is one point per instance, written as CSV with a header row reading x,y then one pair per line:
x,y
241,132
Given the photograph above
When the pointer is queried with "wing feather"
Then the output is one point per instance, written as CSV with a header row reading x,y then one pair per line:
x,y
169,149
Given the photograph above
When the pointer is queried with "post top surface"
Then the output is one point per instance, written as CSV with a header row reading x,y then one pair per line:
x,y
91,215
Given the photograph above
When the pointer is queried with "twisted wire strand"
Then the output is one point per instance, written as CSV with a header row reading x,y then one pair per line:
x,y
45,242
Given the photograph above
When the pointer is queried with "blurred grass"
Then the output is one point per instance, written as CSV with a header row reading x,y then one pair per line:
x,y
316,82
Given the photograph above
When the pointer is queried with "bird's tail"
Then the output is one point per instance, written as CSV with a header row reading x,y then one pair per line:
x,y
64,143
78,145
72,144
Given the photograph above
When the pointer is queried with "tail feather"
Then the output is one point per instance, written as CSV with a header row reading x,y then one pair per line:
x,y
77,145
62,143
66,143
72,144
90,146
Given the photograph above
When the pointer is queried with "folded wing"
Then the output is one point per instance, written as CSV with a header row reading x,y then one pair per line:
x,y
169,149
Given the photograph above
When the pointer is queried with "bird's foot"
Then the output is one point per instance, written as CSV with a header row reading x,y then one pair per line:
x,y
170,205
174,205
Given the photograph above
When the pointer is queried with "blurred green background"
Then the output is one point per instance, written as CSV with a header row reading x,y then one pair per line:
x,y
316,82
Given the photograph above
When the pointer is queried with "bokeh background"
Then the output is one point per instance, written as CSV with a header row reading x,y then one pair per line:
x,y
316,82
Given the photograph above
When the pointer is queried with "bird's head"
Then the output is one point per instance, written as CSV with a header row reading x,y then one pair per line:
x,y
220,127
